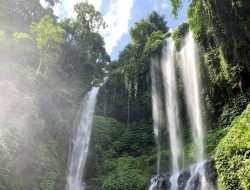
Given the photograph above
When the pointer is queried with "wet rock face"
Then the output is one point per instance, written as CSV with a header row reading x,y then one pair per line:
x,y
211,174
183,178
191,178
160,183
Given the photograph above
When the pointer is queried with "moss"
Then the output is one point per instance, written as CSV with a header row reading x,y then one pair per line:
x,y
233,155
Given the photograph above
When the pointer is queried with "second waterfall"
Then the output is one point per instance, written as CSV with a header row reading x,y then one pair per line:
x,y
196,177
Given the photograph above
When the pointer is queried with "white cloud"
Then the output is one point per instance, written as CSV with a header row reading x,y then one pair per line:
x,y
164,5
117,18
44,4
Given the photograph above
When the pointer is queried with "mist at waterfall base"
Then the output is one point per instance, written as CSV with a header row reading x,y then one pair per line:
x,y
81,140
195,177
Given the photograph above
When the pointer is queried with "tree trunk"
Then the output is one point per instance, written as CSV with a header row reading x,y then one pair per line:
x,y
42,60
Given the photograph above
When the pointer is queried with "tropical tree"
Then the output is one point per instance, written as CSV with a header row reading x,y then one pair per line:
x,y
48,37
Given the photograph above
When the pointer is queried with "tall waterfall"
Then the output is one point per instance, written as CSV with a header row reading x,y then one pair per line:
x,y
169,78
156,105
167,67
80,143
189,68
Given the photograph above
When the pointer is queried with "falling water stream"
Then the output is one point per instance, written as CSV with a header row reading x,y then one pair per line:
x,y
189,68
169,79
156,105
80,143
166,66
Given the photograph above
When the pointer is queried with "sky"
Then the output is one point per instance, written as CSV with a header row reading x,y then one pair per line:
x,y
120,16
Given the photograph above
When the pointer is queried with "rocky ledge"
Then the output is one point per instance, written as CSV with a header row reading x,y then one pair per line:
x,y
196,177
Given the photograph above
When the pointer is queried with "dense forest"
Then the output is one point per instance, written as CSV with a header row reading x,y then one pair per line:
x,y
48,65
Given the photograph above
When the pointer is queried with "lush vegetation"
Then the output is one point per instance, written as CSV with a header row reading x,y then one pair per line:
x,y
233,155
45,71
47,66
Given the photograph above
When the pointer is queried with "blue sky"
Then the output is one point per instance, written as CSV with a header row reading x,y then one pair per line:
x,y
120,15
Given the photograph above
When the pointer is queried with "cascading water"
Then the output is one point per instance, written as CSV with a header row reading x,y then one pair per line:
x,y
202,175
189,68
156,105
169,78
80,143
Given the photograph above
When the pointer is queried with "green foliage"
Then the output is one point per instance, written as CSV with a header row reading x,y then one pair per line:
x,y
224,55
53,165
213,137
121,152
17,15
2,36
189,151
47,33
127,91
178,34
90,19
154,43
126,176
20,36
224,44
38,110
233,155
232,109
145,27
84,55
176,4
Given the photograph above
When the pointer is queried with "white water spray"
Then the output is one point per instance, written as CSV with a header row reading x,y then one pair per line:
x,y
198,174
189,68
80,142
169,78
156,105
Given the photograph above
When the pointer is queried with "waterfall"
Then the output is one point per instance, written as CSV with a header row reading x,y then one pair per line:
x,y
189,68
156,105
167,67
169,79
198,176
81,139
